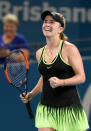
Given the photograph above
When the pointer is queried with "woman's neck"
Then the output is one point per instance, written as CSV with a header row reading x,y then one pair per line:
x,y
53,42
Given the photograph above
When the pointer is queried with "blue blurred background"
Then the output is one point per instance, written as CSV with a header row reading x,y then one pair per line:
x,y
13,114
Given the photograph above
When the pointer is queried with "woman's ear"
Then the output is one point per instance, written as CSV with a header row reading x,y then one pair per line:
x,y
61,30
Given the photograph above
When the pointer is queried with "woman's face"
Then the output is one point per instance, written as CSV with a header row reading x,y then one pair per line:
x,y
10,28
51,27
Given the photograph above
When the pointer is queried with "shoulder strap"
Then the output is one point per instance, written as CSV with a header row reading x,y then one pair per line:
x,y
60,47
42,54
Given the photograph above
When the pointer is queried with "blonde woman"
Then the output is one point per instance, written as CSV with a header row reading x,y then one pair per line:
x,y
61,68
10,39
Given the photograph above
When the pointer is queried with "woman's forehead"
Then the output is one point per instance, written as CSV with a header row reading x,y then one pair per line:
x,y
10,23
48,17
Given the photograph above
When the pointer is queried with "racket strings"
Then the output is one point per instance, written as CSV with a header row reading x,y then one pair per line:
x,y
16,68
18,80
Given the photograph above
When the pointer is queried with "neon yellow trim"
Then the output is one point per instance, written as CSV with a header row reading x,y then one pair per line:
x,y
55,57
64,61
61,41
62,58
41,56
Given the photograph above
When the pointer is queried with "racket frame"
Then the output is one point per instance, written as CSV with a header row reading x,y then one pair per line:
x,y
25,81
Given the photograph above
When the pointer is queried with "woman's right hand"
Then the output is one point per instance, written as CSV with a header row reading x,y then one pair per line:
x,y
26,97
4,52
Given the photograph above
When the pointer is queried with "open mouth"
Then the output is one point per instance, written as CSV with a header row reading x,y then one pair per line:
x,y
48,29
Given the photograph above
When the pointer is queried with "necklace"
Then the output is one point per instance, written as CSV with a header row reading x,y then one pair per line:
x,y
50,55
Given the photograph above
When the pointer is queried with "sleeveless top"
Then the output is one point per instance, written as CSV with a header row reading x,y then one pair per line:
x,y
63,95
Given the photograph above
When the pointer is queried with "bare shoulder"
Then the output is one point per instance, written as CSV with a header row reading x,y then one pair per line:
x,y
70,48
69,45
73,54
38,54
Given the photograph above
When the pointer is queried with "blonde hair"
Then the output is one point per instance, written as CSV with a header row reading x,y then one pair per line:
x,y
62,35
11,18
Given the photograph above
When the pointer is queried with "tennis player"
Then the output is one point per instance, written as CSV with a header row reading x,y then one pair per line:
x,y
61,68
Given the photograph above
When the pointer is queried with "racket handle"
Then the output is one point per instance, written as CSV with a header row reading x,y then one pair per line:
x,y
29,109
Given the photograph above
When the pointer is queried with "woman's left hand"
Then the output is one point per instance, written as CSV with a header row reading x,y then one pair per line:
x,y
55,82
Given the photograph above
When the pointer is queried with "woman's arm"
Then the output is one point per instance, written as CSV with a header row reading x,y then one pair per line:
x,y
75,60
38,88
4,53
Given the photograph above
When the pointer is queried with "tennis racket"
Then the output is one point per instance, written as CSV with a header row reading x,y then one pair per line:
x,y
16,69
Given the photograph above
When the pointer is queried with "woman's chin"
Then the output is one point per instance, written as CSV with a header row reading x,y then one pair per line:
x,y
47,35
10,34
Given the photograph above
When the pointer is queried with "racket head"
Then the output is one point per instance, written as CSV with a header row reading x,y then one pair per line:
x,y
16,68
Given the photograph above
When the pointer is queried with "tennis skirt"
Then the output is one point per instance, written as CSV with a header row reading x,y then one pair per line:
x,y
61,119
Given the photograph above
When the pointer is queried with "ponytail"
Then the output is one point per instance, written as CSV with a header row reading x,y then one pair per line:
x,y
63,36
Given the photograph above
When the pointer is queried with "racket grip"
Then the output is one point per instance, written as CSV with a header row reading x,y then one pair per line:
x,y
29,109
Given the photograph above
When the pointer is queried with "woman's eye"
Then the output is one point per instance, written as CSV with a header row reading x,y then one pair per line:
x,y
50,22
45,21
